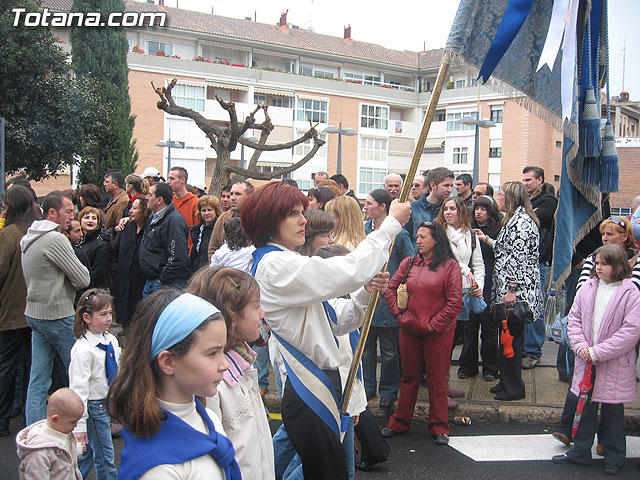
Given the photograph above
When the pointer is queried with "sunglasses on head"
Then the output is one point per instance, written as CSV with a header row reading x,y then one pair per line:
x,y
618,221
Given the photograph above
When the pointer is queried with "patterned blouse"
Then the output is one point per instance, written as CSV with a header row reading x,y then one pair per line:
x,y
516,250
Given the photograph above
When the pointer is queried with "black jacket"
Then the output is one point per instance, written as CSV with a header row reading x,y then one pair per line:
x,y
544,205
128,279
96,246
200,250
164,254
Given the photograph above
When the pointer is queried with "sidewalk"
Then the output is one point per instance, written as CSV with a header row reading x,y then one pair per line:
x,y
543,404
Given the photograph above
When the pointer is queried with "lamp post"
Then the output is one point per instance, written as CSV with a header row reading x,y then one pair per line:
x,y
348,132
170,144
251,139
486,123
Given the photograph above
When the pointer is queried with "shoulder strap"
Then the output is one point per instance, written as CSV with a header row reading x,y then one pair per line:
x,y
473,246
406,272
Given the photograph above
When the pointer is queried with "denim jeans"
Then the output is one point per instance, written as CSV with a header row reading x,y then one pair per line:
x,y
100,447
262,365
349,449
287,462
536,332
151,286
47,338
389,363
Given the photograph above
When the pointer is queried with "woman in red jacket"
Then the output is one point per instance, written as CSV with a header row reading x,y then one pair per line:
x,y
434,285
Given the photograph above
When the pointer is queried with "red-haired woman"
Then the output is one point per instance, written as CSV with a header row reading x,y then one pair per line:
x,y
294,290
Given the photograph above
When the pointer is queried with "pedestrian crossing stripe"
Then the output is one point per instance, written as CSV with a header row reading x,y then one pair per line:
x,y
512,448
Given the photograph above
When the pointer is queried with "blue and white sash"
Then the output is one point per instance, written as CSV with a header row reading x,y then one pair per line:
x,y
311,384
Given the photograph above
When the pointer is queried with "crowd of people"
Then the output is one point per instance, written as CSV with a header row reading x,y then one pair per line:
x,y
211,292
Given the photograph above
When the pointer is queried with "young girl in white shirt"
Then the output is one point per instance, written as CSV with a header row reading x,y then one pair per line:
x,y
238,402
174,356
94,364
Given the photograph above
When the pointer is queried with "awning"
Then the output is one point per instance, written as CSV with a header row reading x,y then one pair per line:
x,y
434,143
274,91
228,86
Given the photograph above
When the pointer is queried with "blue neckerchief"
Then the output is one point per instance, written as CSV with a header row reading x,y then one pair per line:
x,y
176,442
110,364
305,376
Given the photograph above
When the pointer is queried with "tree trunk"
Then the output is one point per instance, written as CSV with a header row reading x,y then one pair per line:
x,y
220,177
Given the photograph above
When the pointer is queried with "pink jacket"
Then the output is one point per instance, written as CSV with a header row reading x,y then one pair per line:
x,y
41,457
615,348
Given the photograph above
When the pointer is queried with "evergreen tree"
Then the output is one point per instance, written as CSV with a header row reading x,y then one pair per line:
x,y
100,53
45,107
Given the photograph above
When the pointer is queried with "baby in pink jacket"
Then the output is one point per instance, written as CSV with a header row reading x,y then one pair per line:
x,y
48,449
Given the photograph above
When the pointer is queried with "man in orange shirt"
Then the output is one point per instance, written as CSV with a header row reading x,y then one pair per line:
x,y
185,202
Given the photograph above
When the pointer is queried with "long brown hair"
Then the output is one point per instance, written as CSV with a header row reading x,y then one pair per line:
x,y
20,207
229,289
463,214
318,222
516,195
132,396
90,302
615,256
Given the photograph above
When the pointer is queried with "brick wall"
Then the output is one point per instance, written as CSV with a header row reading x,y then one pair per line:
x,y
629,165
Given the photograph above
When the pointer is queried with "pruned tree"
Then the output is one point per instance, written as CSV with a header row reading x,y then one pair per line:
x,y
225,139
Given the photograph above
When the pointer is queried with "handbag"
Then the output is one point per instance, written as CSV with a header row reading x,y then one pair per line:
x,y
558,330
519,314
402,295
474,304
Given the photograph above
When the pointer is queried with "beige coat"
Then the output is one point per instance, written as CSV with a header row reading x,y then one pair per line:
x,y
245,422
43,456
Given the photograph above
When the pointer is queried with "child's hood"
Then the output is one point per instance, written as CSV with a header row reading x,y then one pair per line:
x,y
31,438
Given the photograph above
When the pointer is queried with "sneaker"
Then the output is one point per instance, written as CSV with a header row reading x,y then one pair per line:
x,y
387,432
529,362
441,439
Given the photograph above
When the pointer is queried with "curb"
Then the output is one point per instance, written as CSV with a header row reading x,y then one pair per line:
x,y
484,413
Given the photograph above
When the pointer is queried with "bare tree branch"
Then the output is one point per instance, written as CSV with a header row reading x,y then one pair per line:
x,y
256,153
279,146
281,171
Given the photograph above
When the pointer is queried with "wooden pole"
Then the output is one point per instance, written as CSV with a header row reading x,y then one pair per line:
x,y
404,195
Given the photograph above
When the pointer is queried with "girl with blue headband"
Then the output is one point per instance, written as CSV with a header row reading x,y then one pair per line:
x,y
175,355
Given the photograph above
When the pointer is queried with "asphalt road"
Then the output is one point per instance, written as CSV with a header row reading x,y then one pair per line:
x,y
415,456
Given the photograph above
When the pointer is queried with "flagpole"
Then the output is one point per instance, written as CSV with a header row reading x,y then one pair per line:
x,y
404,195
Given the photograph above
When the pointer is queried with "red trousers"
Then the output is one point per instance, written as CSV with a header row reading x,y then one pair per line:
x,y
435,350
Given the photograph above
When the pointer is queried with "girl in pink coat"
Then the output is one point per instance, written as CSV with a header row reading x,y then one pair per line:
x,y
604,328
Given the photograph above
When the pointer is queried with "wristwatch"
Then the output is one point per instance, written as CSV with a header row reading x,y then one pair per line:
x,y
512,288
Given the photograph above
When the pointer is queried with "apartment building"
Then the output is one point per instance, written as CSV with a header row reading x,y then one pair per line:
x,y
306,77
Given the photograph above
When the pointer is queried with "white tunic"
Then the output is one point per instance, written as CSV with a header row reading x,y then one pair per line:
x,y
293,287
201,468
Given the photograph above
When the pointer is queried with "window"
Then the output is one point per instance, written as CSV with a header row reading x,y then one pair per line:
x,y
323,74
284,102
495,152
452,121
440,117
271,168
189,96
461,83
130,43
373,164
496,115
259,99
312,110
374,116
305,70
154,47
558,144
366,79
459,155
371,179
305,147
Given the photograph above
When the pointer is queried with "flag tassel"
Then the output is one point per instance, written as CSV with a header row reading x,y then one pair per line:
x,y
609,159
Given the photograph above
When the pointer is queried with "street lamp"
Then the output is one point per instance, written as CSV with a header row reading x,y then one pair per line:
x,y
251,139
348,132
485,123
170,144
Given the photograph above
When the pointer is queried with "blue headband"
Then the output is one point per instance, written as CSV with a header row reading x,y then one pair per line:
x,y
181,317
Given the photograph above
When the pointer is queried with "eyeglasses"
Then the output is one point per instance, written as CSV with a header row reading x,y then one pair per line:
x,y
425,224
